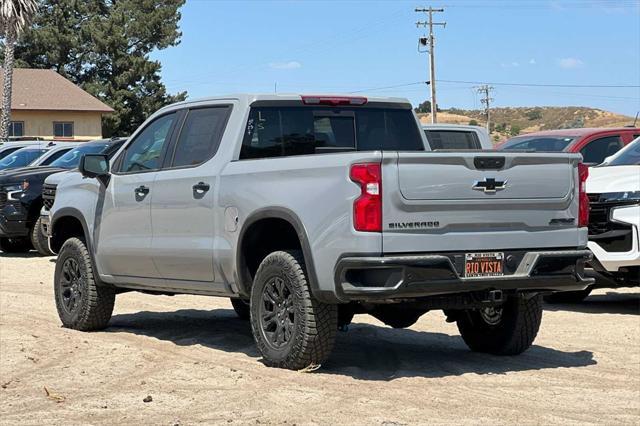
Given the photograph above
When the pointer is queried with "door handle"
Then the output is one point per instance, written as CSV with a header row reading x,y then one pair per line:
x,y
141,192
200,188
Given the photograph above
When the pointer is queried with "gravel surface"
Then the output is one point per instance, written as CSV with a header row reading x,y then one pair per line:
x,y
188,359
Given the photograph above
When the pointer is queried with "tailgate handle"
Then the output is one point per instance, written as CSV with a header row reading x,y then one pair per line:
x,y
488,163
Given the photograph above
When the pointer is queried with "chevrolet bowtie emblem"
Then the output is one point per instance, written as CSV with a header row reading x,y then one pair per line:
x,y
489,185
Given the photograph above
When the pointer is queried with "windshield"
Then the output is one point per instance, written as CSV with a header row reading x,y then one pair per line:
x,y
21,158
6,150
539,143
628,156
72,158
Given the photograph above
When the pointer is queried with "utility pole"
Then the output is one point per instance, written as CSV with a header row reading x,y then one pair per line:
x,y
485,90
429,41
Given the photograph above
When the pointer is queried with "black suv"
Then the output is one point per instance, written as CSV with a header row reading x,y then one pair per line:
x,y
21,197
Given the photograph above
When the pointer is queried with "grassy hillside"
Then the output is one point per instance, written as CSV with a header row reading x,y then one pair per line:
x,y
510,121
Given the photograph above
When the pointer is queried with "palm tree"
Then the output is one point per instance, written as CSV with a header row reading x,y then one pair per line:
x,y
15,16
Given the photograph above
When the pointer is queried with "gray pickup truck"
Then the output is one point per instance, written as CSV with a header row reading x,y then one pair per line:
x,y
306,210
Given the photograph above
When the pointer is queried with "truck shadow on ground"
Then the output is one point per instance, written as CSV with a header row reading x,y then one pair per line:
x,y
365,352
610,303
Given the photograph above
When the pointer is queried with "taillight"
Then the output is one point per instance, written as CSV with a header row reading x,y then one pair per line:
x,y
583,209
334,100
367,208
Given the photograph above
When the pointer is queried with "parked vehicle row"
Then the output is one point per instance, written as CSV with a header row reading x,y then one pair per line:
x,y
307,210
21,194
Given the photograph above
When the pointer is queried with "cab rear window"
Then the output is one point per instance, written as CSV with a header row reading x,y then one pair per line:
x,y
452,139
287,131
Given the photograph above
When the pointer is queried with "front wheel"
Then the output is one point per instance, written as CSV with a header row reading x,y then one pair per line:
x,y
509,329
82,304
291,329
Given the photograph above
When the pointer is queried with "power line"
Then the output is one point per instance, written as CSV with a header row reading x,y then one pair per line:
x,y
390,87
590,86
430,41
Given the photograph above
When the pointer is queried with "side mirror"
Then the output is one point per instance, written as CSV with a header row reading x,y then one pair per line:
x,y
94,166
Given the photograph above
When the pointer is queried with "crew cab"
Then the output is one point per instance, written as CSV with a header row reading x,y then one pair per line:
x,y
307,210
595,144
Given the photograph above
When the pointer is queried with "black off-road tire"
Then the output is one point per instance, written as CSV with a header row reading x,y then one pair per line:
x,y
568,296
15,245
242,308
311,333
39,240
512,334
89,308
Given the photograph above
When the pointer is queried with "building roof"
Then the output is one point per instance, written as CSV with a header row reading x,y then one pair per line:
x,y
37,89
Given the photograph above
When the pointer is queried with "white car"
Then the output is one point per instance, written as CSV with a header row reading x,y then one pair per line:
x,y
614,223
613,189
457,136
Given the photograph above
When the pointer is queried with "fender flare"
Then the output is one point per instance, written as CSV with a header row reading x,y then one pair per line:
x,y
88,237
293,219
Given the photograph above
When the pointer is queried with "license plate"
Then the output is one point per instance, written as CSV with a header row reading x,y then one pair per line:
x,y
483,265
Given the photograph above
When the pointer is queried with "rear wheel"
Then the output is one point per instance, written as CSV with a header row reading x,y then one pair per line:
x,y
39,239
509,329
82,304
15,245
568,296
292,330
242,308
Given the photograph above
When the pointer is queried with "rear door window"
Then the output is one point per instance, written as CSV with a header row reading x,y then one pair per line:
x,y
598,149
452,139
200,136
286,131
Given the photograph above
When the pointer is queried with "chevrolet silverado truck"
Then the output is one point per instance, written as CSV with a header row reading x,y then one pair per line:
x,y
306,210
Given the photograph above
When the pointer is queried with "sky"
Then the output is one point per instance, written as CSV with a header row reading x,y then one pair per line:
x,y
371,47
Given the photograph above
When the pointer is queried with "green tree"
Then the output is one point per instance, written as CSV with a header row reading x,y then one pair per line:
x,y
15,16
501,128
473,123
514,130
104,46
424,107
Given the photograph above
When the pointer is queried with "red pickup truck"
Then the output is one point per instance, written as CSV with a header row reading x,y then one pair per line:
x,y
595,144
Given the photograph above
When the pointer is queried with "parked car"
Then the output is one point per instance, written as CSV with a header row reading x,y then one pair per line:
x,y
7,148
594,144
306,210
35,155
457,136
21,198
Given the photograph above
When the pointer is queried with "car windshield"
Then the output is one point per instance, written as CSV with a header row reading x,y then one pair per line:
x,y
628,156
21,158
71,159
538,143
6,150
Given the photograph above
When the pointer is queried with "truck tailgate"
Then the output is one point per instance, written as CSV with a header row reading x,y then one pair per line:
x,y
445,201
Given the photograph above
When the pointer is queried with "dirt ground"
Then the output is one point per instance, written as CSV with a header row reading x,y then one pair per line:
x,y
199,365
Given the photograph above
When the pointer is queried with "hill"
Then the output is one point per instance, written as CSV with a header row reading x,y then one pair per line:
x,y
512,121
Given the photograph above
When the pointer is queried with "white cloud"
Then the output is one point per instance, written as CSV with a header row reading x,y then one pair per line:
x,y
291,65
568,63
532,61
515,64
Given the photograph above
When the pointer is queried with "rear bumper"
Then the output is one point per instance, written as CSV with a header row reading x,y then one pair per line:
x,y
392,277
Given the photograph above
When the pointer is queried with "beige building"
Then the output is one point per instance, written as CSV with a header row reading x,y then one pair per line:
x,y
47,105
